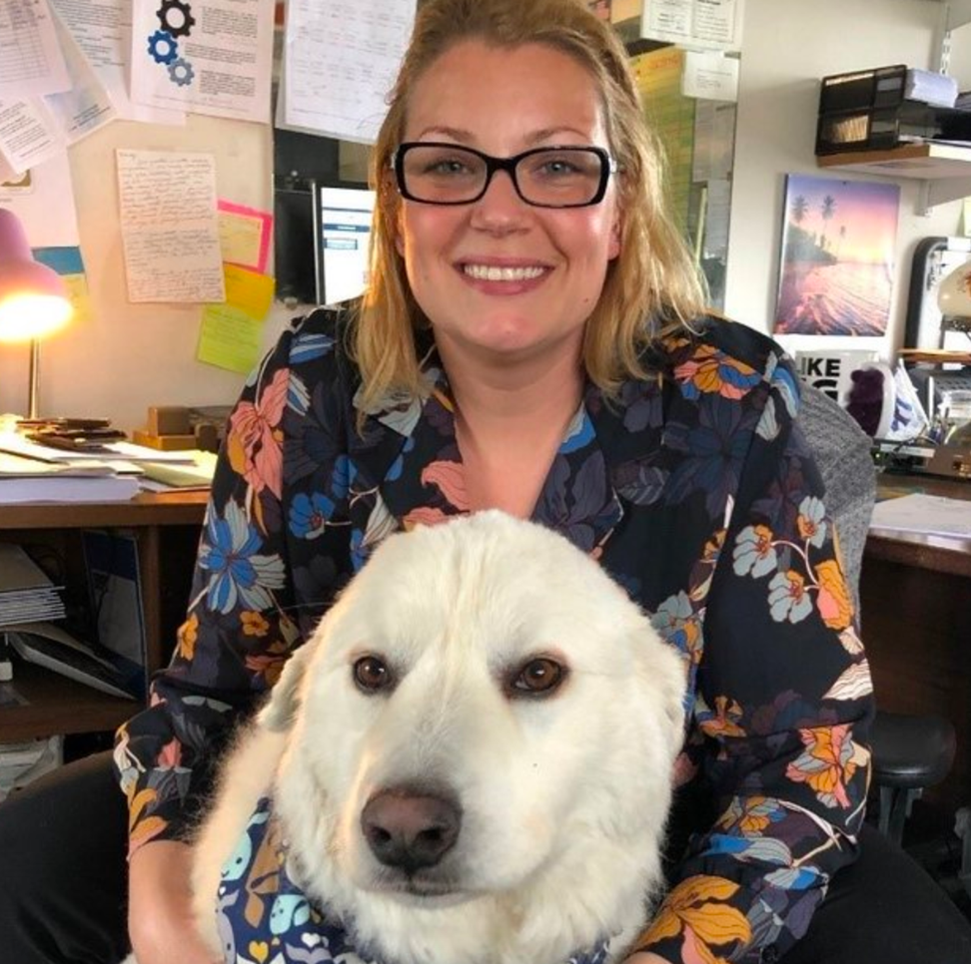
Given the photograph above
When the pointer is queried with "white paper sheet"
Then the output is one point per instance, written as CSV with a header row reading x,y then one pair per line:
x,y
341,60
710,24
102,29
214,57
929,514
31,62
29,134
86,106
43,199
710,75
169,225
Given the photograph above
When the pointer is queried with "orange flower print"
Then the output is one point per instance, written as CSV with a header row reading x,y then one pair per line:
x,y
724,720
833,599
750,816
828,763
254,624
711,371
186,637
269,666
696,910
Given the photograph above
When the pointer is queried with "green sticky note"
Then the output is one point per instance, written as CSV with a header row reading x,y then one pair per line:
x,y
229,338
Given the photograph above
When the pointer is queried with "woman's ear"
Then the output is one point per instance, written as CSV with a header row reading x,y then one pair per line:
x,y
615,232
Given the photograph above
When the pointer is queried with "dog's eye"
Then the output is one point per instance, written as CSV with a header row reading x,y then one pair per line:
x,y
371,675
538,677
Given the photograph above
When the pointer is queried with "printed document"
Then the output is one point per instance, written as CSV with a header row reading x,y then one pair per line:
x,y
341,58
86,106
31,62
29,135
102,29
208,57
169,226
711,24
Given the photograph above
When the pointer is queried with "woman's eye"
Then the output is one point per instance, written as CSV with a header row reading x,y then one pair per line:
x,y
372,675
538,677
446,167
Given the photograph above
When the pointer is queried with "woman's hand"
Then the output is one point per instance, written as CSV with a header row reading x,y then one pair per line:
x,y
160,920
643,957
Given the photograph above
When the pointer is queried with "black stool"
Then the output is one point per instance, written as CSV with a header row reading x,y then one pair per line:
x,y
909,754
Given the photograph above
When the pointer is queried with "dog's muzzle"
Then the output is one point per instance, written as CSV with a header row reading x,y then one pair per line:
x,y
410,830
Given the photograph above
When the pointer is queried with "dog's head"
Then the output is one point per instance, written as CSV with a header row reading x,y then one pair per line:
x,y
484,713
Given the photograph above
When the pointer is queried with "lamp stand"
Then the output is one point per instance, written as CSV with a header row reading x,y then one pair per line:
x,y
34,379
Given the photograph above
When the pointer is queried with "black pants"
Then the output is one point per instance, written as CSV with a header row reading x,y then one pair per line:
x,y
62,887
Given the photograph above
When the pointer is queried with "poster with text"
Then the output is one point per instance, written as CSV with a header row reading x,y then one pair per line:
x,y
837,261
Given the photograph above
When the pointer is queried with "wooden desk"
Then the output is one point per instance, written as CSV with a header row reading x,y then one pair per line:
x,y
915,599
166,527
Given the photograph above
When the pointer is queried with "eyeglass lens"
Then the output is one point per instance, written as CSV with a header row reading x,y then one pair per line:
x,y
450,175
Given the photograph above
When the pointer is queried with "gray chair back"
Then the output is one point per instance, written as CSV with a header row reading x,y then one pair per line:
x,y
842,452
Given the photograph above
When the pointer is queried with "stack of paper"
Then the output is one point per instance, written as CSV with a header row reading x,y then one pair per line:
x,y
929,87
29,479
928,514
26,594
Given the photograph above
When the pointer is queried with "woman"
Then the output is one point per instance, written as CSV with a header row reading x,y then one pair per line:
x,y
534,340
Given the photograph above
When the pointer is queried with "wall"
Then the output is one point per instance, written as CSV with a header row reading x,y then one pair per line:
x,y
126,357
788,46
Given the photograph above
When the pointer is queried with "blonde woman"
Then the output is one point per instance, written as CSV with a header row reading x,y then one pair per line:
x,y
534,339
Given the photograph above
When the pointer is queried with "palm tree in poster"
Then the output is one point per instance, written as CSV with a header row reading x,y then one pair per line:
x,y
800,208
827,211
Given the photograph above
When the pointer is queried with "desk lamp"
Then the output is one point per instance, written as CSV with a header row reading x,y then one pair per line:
x,y
33,298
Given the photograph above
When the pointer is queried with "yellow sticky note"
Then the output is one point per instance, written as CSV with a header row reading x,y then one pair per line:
x,y
229,338
244,234
249,291
77,292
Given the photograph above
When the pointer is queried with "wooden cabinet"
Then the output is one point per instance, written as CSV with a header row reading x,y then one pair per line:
x,y
166,528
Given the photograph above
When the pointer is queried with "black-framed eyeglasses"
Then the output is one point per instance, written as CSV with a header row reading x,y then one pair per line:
x,y
546,177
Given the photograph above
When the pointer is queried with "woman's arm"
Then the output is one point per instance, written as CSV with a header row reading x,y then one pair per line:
x,y
783,701
244,619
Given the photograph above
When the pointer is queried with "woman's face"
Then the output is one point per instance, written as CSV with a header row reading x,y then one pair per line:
x,y
502,102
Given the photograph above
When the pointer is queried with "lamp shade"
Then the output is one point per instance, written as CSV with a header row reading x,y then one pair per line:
x,y
33,297
954,293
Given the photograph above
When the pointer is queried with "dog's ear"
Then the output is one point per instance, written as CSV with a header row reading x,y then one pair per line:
x,y
278,712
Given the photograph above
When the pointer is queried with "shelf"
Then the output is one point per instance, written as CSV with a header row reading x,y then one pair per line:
x,y
55,704
943,169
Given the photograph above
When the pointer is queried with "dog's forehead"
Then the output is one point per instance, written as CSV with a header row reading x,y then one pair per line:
x,y
490,585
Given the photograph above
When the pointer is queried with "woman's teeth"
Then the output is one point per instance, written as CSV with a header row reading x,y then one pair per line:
x,y
483,272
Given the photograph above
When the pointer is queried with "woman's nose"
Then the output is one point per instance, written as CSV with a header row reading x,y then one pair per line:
x,y
500,208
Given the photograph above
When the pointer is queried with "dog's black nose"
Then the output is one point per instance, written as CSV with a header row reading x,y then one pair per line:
x,y
410,830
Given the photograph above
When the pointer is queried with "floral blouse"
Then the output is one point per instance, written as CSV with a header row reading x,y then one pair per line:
x,y
698,494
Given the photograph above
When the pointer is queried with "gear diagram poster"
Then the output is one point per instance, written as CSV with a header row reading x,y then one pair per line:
x,y
204,56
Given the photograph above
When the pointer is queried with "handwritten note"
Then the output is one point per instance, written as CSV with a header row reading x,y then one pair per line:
x,y
169,226
341,60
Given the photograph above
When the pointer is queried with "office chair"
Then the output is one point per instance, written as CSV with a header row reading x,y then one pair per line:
x,y
910,753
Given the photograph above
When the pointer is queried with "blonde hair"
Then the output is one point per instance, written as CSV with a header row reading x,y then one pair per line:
x,y
650,287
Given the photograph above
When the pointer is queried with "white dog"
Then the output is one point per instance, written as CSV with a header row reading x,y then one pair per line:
x,y
469,762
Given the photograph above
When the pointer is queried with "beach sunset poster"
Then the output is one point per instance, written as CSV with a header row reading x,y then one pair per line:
x,y
837,263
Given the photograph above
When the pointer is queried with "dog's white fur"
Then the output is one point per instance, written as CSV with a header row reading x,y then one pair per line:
x,y
563,797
